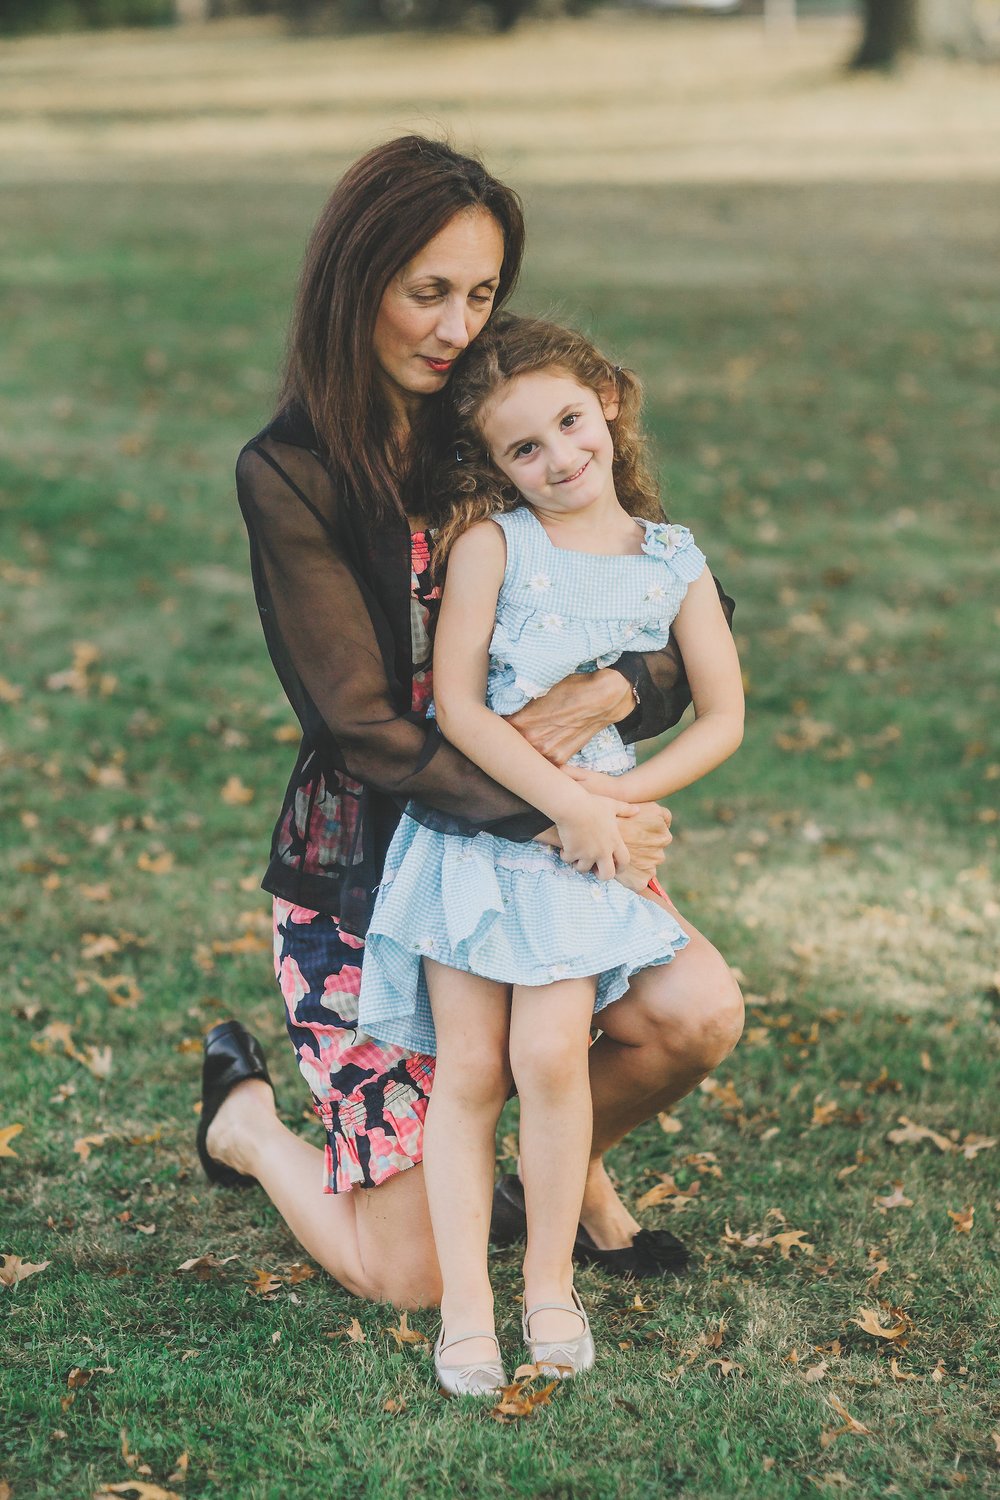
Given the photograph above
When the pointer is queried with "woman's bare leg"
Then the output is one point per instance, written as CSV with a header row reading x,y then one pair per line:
x,y
376,1242
471,1080
549,1042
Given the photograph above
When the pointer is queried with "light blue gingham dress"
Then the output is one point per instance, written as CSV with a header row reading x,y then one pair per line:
x,y
515,912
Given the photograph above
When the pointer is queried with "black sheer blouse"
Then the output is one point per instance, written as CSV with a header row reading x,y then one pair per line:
x,y
333,592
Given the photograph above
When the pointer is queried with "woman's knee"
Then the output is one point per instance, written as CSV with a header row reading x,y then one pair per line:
x,y
697,1011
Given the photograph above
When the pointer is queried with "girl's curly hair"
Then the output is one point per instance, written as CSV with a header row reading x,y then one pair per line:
x,y
467,486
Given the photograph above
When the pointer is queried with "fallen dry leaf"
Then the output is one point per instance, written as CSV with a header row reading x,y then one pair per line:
x,y
519,1400
898,1374
896,1199
816,1372
726,1367
97,1060
79,1377
724,1094
404,1334
299,1271
962,1219
235,793
868,1320
85,1144
156,864
265,1284
7,1134
973,1144
669,1123
180,1470
938,1373
851,1424
911,1134
204,1265
394,1404
135,1489
353,1333
14,1269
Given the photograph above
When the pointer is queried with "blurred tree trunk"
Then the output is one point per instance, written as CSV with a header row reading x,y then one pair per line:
x,y
892,27
192,10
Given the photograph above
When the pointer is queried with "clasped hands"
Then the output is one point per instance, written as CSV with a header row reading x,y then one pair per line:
x,y
558,725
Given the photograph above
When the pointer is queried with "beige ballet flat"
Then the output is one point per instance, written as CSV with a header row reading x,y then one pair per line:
x,y
484,1379
567,1357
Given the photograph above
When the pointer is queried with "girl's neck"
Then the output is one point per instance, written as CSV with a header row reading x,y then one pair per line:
x,y
604,529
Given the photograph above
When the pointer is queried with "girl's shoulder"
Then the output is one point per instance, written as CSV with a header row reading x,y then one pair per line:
x,y
673,544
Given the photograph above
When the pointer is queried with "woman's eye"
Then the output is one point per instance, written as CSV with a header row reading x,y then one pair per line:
x,y
425,298
482,299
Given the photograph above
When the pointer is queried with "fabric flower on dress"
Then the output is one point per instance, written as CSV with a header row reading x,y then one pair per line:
x,y
539,583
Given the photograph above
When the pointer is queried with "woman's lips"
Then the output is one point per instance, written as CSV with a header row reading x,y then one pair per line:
x,y
439,366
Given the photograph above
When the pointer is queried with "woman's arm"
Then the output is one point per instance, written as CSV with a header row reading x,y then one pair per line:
x,y
333,647
588,831
713,670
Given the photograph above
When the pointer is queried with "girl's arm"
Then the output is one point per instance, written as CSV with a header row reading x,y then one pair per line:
x,y
587,826
713,670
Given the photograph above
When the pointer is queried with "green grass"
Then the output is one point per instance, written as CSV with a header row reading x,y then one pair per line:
x,y
821,368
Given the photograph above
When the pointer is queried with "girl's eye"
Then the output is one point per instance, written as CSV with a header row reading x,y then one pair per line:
x,y
525,450
570,418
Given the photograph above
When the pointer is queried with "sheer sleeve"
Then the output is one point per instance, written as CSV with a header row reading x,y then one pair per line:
x,y
660,684
337,654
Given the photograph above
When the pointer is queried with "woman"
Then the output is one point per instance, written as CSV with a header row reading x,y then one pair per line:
x,y
417,246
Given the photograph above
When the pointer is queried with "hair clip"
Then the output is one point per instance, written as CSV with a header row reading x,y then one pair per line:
x,y
458,454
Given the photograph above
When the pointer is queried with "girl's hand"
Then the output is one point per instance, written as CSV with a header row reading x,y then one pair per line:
x,y
591,835
565,718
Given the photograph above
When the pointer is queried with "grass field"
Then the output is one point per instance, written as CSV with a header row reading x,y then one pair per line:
x,y
820,348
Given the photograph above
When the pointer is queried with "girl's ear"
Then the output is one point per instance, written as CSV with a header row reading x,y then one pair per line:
x,y
610,402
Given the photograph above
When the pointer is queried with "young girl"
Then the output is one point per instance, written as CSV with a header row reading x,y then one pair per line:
x,y
484,950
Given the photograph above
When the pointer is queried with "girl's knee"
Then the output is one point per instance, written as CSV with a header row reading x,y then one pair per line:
x,y
549,1063
476,1080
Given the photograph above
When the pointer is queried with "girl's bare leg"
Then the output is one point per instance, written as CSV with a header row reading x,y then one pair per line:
x,y
376,1242
471,1080
549,1037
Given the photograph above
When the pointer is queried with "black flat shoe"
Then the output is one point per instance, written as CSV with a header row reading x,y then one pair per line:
x,y
653,1252
232,1055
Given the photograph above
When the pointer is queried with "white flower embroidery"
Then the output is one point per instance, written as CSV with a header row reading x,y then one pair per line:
x,y
672,538
426,945
550,622
539,583
558,971
657,592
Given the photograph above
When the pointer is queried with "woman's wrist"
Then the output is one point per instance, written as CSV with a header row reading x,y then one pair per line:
x,y
622,695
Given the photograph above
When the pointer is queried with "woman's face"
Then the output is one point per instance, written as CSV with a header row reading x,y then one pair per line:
x,y
435,306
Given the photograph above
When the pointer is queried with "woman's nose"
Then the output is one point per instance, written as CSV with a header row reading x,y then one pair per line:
x,y
452,328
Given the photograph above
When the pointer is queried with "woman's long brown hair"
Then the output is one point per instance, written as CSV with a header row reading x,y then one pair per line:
x,y
467,486
385,208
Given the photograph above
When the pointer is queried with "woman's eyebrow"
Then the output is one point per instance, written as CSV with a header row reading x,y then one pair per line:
x,y
443,282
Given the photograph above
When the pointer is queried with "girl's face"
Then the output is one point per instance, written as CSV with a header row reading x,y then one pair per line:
x,y
435,306
549,435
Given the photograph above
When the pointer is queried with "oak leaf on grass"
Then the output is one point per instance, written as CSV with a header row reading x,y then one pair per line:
x,y
962,1218
7,1134
404,1334
14,1269
84,1144
869,1321
353,1333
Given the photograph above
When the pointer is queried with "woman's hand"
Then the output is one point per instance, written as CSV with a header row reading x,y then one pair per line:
x,y
591,835
561,722
646,834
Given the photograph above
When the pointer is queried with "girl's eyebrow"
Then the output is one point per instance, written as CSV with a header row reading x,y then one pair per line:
x,y
520,442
